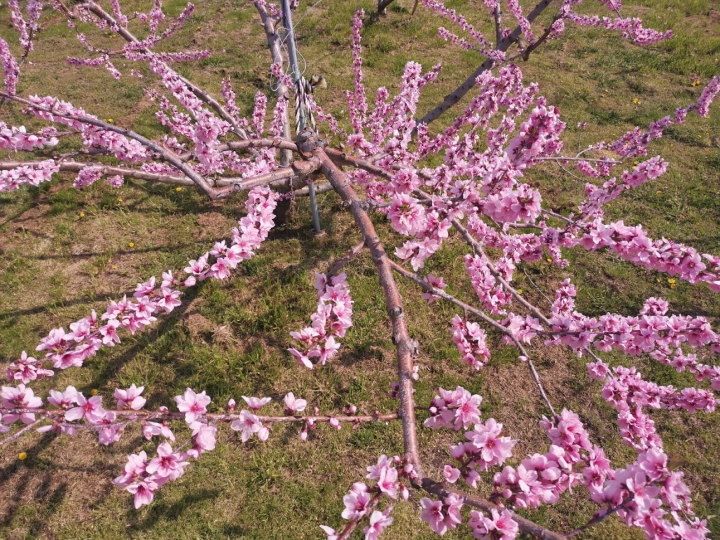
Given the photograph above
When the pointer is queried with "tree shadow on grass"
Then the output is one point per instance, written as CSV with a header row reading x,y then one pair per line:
x,y
90,254
12,315
19,478
50,495
160,510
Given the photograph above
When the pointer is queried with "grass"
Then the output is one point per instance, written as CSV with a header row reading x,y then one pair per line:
x,y
65,251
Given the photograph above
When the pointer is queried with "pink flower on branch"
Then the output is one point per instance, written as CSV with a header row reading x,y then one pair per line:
x,y
192,404
499,526
294,405
130,398
442,516
330,321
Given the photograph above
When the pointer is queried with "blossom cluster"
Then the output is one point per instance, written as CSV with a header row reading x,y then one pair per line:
x,y
32,174
633,244
652,332
330,322
361,500
454,409
630,28
17,138
645,494
142,477
70,411
471,342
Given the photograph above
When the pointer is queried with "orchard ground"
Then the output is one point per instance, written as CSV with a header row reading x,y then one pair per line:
x,y
64,251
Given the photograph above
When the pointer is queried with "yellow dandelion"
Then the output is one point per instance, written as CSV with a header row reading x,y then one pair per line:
x,y
548,259
178,189
94,392
658,192
672,281
109,120
673,285
520,291
119,200
81,214
22,456
131,244
636,101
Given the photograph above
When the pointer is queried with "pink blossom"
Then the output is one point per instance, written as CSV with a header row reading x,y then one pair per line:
x,y
192,404
442,515
152,429
256,403
204,439
143,491
130,398
168,465
455,409
64,400
250,425
27,369
293,405
378,522
134,468
451,474
109,431
89,409
19,397
356,501
500,525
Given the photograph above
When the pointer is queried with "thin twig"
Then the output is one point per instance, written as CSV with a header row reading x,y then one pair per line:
x,y
196,90
215,417
19,433
345,259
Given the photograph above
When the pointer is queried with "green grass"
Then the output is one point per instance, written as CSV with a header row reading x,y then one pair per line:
x,y
230,337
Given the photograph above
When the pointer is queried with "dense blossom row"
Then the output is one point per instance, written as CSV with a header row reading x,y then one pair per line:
x,y
87,336
645,494
194,126
630,28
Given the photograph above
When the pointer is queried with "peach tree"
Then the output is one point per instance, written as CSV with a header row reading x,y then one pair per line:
x,y
471,180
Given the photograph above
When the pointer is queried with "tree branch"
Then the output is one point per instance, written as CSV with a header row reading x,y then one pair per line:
x,y
19,433
393,300
281,90
457,94
199,92
525,525
166,155
216,417
345,259
427,287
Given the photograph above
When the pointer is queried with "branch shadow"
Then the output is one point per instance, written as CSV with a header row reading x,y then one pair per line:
x,y
90,254
159,510
87,299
